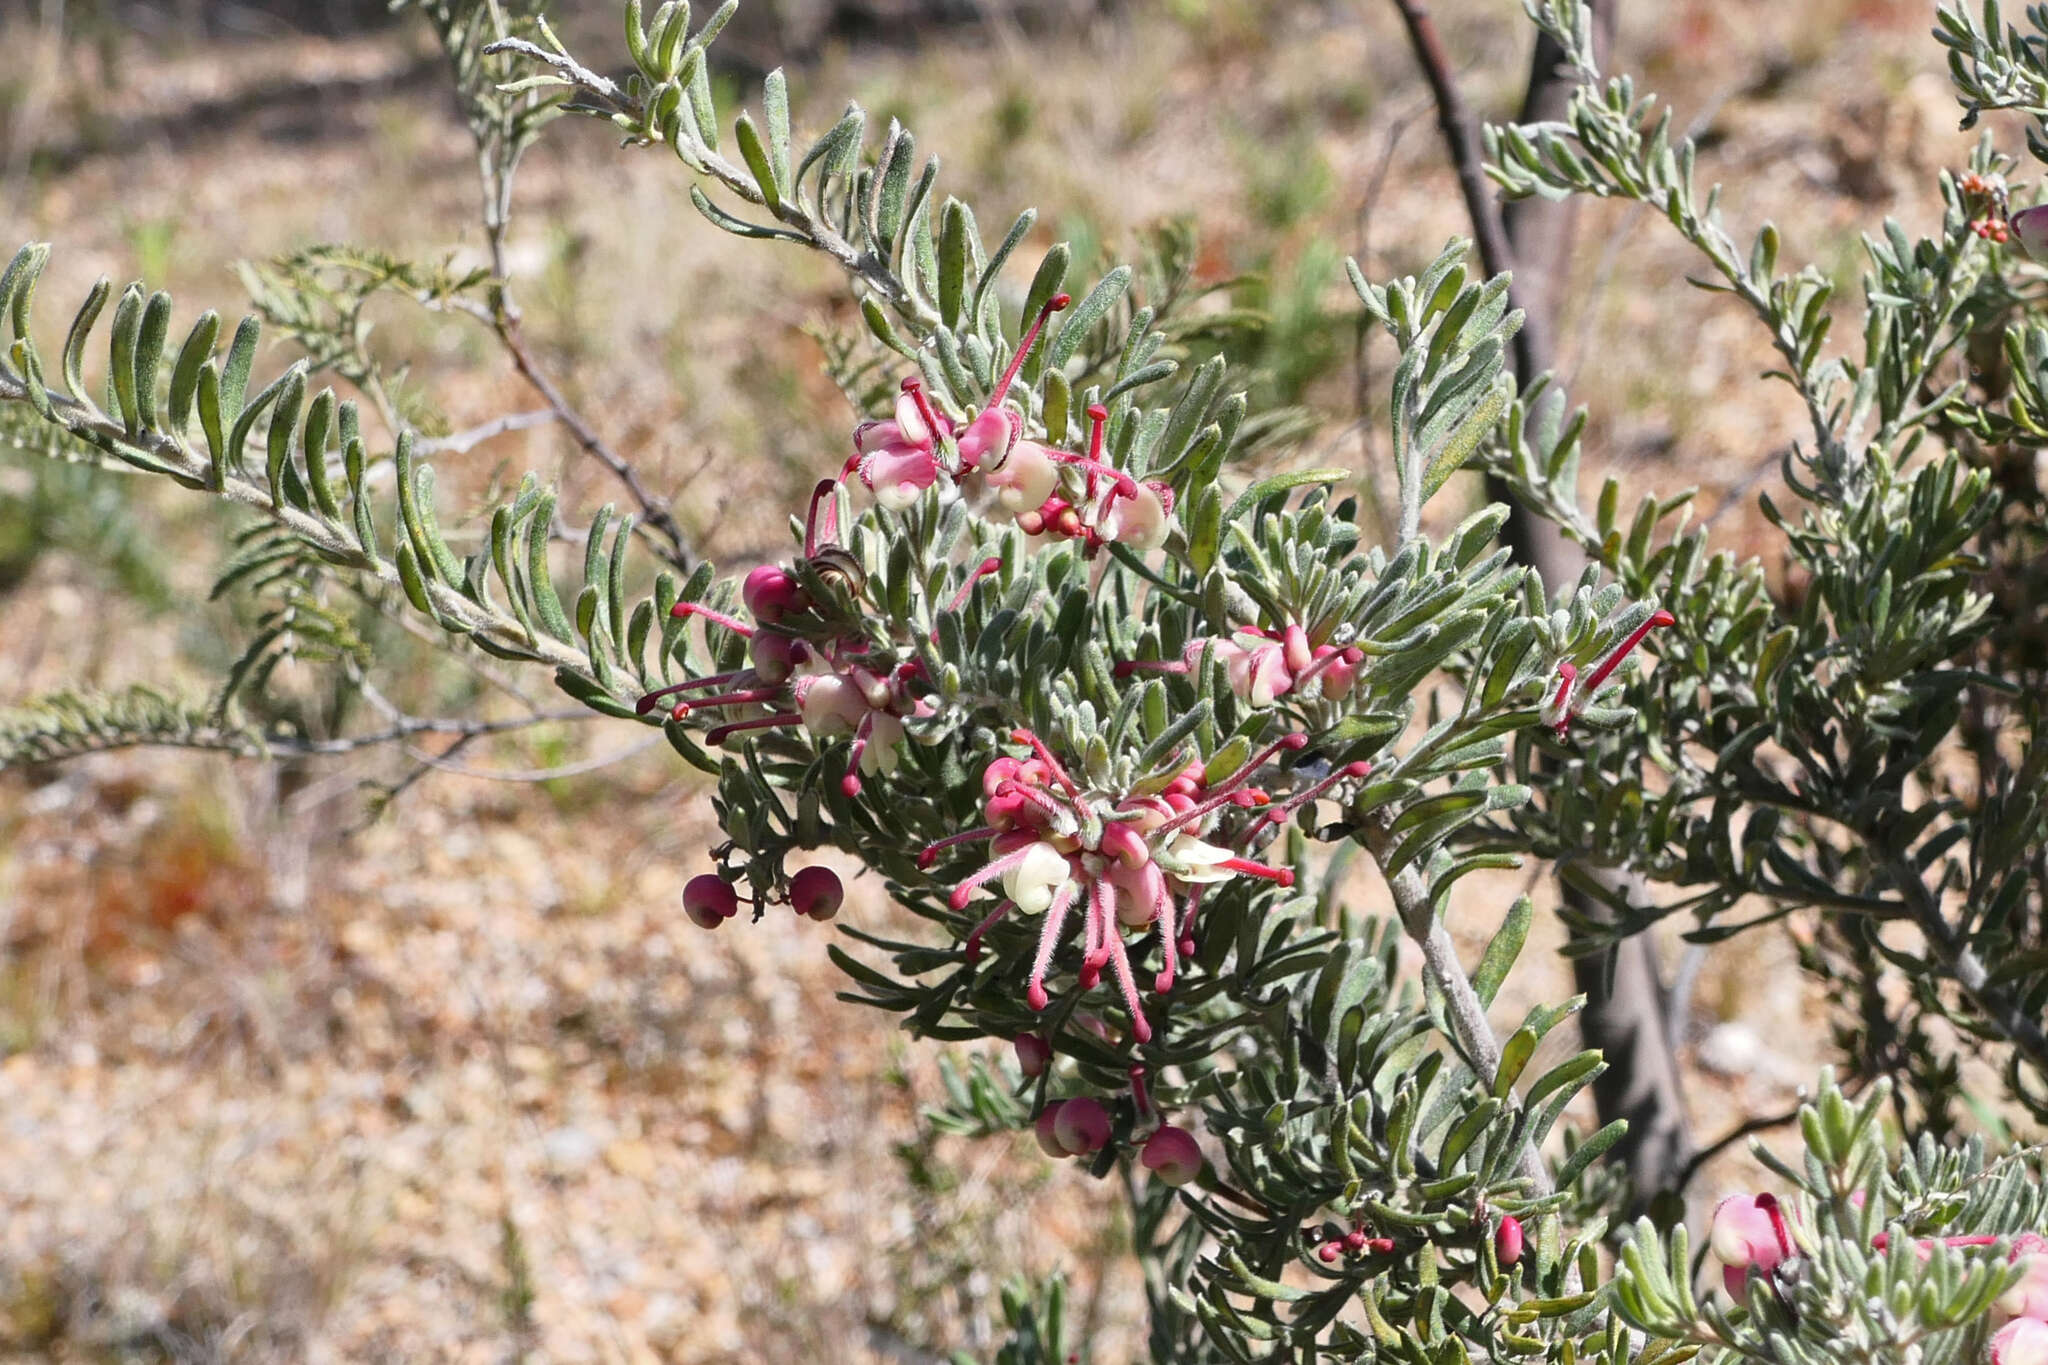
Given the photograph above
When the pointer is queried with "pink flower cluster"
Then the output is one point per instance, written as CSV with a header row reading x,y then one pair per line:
x,y
899,457
804,672
1752,1236
1128,860
1265,665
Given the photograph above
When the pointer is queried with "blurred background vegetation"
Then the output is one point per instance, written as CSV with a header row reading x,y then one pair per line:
x,y
278,1085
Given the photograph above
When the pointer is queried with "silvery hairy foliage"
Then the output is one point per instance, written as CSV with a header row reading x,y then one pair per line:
x,y
1113,718
1872,746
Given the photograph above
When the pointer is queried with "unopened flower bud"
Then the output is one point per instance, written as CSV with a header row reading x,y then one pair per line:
x,y
1172,1156
815,893
709,901
1034,1054
774,656
1082,1127
771,592
1507,1240
1042,1129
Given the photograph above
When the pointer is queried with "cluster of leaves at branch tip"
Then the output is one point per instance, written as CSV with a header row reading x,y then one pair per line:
x,y
1091,699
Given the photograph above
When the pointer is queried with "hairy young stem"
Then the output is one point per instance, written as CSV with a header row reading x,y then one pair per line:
x,y
1461,1002
2024,1031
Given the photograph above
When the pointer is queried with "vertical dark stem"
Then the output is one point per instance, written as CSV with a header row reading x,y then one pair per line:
x,y
1626,1015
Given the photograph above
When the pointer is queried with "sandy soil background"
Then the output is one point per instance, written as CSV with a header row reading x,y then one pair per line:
x,y
280,1082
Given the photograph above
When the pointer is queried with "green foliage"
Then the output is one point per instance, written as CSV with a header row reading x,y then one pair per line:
x,y
1801,750
1366,1136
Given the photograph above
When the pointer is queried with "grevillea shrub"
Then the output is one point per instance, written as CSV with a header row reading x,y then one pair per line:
x,y
1110,719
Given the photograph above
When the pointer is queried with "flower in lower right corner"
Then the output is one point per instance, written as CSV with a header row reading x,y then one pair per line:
x,y
2023,1341
1749,1233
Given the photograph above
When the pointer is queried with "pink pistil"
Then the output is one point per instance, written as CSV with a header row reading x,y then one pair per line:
x,y
914,386
741,698
1187,920
1141,1098
931,851
731,623
1278,815
850,784
1218,796
1613,661
823,513
1284,876
1048,939
1093,462
652,699
964,891
1120,961
1025,794
987,567
1021,735
972,947
1057,303
718,735
1560,700
1351,655
1169,940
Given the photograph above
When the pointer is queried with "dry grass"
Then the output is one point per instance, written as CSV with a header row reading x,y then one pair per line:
x,y
463,1085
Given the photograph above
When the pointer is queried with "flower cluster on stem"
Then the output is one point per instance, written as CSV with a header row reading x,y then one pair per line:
x,y
1263,665
1048,491
1136,860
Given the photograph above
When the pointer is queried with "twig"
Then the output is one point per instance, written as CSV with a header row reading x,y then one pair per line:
x,y
441,763
1728,1139
654,511
1461,137
1469,1026
1970,972
334,543
461,442
498,152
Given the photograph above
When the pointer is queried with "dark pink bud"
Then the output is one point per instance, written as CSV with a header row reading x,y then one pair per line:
x,y
1034,1054
1329,1252
771,592
1082,1127
1048,1141
709,901
815,893
1172,1156
1507,1240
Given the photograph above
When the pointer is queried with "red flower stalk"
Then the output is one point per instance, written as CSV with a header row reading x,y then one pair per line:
x,y
1567,702
995,430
